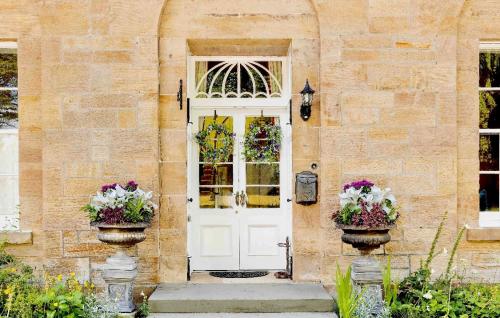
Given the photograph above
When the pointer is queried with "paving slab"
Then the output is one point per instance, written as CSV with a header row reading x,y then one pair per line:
x,y
249,315
240,298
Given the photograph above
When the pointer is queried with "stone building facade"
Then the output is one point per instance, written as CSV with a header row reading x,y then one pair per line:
x,y
396,102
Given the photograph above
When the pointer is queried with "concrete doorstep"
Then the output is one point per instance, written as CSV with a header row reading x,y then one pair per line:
x,y
242,298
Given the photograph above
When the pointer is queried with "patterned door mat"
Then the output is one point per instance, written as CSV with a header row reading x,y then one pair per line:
x,y
238,274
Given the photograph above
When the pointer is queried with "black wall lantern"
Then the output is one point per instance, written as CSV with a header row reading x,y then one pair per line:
x,y
307,98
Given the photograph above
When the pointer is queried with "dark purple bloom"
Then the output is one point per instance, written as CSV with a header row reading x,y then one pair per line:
x,y
112,216
131,185
106,187
358,184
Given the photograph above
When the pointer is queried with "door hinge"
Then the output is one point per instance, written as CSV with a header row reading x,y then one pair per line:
x,y
189,218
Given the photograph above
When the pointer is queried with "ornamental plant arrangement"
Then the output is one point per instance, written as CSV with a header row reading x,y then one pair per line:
x,y
215,142
262,142
121,213
366,215
117,204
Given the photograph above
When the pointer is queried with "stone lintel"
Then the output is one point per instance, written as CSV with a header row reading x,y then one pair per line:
x,y
16,237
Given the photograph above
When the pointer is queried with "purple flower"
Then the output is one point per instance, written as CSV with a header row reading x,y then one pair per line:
x,y
132,185
106,187
358,184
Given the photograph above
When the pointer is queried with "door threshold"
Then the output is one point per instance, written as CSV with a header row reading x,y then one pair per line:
x,y
204,277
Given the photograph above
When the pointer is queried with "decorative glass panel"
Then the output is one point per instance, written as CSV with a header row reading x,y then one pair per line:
x,y
238,79
216,180
263,197
488,152
489,112
263,173
488,192
489,69
216,198
8,89
213,175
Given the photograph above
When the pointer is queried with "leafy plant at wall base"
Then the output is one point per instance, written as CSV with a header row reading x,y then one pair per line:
x,y
432,252
419,297
143,310
347,299
453,253
390,288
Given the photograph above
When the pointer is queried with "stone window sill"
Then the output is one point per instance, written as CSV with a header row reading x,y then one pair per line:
x,y
16,237
483,234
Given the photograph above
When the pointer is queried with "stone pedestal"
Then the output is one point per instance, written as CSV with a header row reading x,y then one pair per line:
x,y
119,274
366,276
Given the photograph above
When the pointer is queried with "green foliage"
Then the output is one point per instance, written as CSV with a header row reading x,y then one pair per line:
x,y
92,212
143,309
432,252
133,211
446,297
215,142
347,299
390,288
23,295
262,142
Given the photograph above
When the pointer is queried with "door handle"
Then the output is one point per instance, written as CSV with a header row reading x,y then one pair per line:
x,y
237,198
243,198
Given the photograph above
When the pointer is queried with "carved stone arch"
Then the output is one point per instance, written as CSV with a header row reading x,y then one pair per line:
x,y
220,27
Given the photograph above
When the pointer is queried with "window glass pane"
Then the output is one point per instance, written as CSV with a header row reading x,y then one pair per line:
x,y
488,192
263,173
220,174
8,68
263,197
216,140
489,69
489,112
216,198
488,152
8,109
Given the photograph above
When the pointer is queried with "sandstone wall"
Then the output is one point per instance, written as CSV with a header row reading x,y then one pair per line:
x,y
396,102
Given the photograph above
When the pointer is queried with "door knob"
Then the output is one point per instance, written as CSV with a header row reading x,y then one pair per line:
x,y
237,198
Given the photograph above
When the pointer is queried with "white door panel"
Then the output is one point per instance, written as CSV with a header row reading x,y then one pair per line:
x,y
224,235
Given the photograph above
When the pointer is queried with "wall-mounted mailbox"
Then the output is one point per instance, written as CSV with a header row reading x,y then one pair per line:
x,y
306,188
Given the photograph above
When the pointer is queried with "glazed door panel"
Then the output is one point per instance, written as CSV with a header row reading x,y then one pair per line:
x,y
239,210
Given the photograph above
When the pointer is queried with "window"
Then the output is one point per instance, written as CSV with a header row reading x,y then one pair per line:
x,y
489,134
9,141
239,81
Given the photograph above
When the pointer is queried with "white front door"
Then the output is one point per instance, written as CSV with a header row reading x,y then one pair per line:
x,y
239,210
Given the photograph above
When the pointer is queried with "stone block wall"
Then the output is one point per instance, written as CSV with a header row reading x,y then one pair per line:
x,y
396,102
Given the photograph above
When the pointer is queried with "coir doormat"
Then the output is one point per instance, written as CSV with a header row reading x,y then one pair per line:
x,y
238,274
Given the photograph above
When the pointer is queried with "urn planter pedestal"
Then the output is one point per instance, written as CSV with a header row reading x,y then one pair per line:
x,y
366,273
120,269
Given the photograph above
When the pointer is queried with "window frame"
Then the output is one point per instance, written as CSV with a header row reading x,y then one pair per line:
x,y
487,218
10,222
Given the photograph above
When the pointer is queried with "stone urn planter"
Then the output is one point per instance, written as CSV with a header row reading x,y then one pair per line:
x,y
120,270
365,239
366,271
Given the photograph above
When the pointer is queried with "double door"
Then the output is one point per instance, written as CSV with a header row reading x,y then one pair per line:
x,y
239,209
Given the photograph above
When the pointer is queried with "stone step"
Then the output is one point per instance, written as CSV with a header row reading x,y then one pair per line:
x,y
249,315
240,298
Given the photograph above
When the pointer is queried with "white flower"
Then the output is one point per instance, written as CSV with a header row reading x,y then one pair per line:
x,y
351,195
427,295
